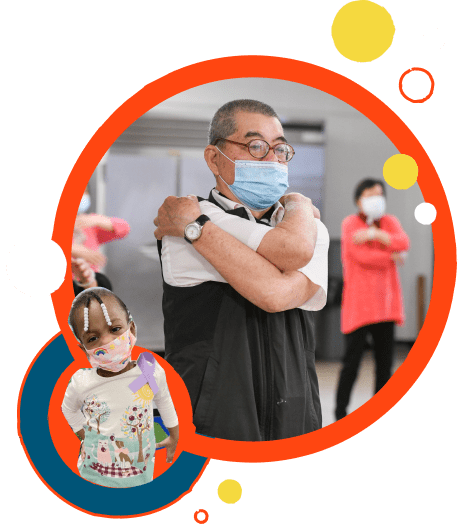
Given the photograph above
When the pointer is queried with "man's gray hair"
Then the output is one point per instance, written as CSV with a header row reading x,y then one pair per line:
x,y
223,123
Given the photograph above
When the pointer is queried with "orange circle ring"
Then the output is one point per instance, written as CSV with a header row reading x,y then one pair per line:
x,y
404,140
430,91
205,520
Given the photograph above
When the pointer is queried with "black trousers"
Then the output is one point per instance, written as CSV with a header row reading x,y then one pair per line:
x,y
355,342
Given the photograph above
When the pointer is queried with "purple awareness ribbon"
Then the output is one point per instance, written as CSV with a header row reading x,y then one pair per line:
x,y
147,365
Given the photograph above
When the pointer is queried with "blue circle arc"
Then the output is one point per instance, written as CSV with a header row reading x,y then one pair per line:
x,y
36,437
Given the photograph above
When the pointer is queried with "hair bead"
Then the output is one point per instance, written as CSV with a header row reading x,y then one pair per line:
x,y
105,314
86,319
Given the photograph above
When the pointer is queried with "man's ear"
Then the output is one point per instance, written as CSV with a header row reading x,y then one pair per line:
x,y
211,157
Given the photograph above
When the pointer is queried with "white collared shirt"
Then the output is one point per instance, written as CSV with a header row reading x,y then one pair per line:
x,y
183,266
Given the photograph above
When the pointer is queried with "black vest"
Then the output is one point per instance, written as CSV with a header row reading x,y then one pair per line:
x,y
250,374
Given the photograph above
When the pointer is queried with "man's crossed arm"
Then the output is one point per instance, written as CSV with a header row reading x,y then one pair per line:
x,y
267,278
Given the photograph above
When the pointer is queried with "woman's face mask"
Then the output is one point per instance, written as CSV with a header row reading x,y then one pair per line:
x,y
85,204
258,184
373,207
115,356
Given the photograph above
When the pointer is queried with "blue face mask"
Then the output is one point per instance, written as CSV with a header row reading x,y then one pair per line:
x,y
258,184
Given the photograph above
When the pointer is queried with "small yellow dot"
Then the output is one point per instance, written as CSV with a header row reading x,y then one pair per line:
x,y
400,171
230,491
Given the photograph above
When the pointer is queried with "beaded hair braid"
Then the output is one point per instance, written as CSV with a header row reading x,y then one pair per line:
x,y
86,311
85,298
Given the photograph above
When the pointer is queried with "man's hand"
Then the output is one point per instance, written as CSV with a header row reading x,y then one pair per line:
x,y
170,443
92,257
291,244
289,200
174,214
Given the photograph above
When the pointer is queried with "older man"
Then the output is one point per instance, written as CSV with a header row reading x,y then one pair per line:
x,y
242,272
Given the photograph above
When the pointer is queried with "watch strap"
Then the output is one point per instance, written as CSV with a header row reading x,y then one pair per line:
x,y
202,219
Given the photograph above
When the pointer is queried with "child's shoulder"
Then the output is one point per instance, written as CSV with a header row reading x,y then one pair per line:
x,y
159,370
82,376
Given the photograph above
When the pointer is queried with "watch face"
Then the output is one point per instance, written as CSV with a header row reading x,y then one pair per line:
x,y
192,231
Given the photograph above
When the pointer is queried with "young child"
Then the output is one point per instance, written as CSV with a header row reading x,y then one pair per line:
x,y
115,422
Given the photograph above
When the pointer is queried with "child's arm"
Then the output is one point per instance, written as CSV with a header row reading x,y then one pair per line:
x,y
71,408
170,443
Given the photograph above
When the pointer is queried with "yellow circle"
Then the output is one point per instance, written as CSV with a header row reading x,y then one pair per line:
x,y
400,171
362,31
230,491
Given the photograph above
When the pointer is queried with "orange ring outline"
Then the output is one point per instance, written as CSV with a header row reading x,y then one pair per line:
x,y
430,91
205,520
389,123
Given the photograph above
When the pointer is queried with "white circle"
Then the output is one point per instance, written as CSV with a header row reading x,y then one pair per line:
x,y
434,38
416,85
36,267
425,213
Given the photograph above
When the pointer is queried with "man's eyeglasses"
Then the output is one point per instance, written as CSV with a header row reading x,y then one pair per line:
x,y
259,149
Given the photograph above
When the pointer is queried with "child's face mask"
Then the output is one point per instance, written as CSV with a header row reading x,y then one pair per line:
x,y
115,356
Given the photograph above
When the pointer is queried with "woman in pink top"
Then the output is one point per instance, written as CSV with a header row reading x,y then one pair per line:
x,y
90,232
372,246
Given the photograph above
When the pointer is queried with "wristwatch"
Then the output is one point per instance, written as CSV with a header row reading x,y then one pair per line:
x,y
193,230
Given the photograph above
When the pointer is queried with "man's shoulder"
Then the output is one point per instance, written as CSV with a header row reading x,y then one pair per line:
x,y
203,202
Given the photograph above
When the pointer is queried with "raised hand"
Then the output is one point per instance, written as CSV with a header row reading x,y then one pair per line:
x,y
174,214
92,257
83,272
290,200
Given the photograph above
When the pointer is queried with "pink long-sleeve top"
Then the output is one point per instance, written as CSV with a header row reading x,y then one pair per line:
x,y
96,236
372,289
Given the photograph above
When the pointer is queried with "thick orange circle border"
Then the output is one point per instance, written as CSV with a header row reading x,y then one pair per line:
x,y
391,125
401,89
